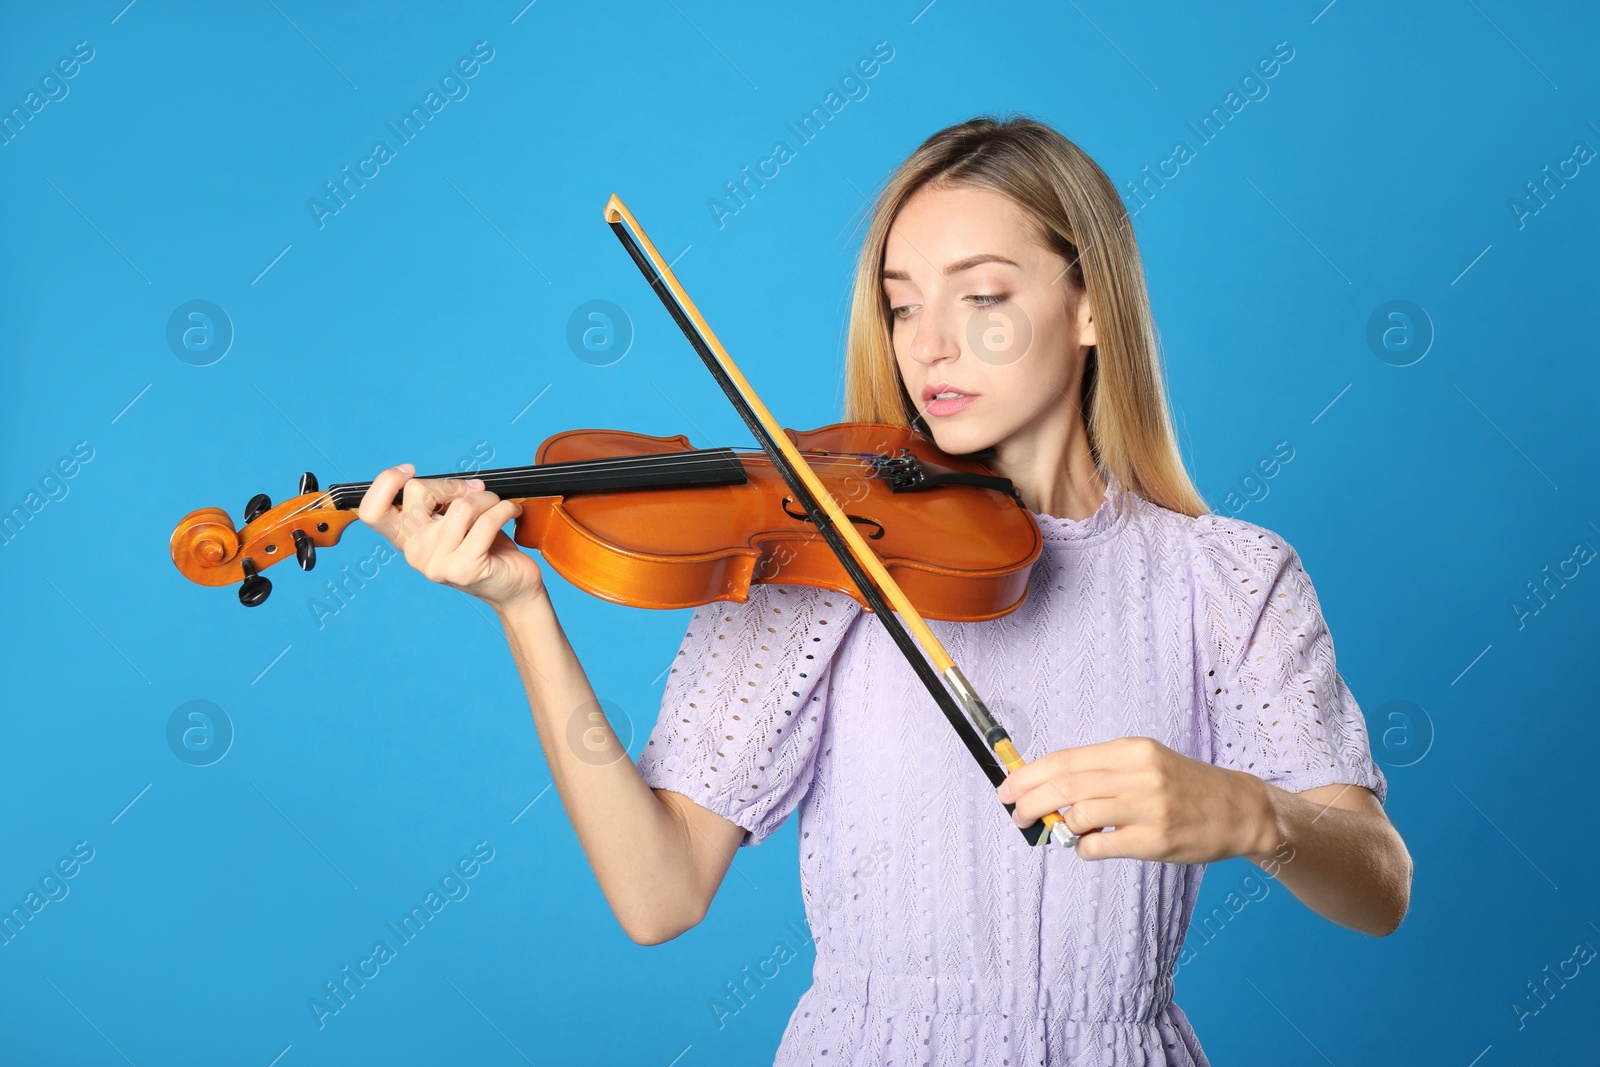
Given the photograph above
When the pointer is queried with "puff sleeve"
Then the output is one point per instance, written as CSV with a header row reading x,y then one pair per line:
x,y
1279,707
745,703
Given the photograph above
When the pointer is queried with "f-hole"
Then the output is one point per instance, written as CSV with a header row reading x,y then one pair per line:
x,y
862,519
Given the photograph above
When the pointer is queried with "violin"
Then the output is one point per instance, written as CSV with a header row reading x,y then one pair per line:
x,y
653,522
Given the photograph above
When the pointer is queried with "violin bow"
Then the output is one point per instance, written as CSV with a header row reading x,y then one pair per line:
x,y
859,561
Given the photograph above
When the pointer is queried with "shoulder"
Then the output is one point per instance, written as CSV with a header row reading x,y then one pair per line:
x,y
1224,551
772,617
803,602
808,605
1240,550
1234,567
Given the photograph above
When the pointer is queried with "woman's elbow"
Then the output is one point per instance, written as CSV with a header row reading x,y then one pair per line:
x,y
652,935
1397,891
657,930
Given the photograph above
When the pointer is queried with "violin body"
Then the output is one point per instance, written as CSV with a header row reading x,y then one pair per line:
x,y
653,522
960,552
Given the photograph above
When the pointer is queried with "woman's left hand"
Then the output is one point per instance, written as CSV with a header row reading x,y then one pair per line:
x,y
1164,806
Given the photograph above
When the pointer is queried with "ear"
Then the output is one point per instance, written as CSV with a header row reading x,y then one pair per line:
x,y
1087,334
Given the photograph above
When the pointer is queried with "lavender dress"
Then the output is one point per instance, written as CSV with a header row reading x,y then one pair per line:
x,y
941,936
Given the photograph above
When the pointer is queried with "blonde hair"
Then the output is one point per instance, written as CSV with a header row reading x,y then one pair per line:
x,y
1077,214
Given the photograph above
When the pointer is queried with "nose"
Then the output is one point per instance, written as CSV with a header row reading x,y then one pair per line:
x,y
934,338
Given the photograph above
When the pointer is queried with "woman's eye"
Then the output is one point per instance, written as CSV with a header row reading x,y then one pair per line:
x,y
984,301
902,311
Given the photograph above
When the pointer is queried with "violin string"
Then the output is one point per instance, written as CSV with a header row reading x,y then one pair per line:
x,y
662,460
659,461
666,461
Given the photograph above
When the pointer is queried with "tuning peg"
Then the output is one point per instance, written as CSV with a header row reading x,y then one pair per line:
x,y
305,551
259,504
255,587
308,484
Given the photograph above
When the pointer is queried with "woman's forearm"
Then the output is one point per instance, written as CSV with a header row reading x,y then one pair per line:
x,y
641,851
1336,851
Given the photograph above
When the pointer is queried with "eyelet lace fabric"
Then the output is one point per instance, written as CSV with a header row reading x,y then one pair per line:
x,y
941,937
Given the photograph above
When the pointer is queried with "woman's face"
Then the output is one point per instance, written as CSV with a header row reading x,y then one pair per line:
x,y
980,308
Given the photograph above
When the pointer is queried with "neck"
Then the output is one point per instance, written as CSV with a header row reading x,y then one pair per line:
x,y
700,466
1050,464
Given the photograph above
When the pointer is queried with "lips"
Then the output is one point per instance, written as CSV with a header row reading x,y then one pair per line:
x,y
947,406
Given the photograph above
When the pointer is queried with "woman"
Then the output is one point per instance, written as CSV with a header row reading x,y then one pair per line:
x,y
1169,674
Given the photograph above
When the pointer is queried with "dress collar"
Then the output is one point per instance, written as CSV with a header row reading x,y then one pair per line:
x,y
1113,509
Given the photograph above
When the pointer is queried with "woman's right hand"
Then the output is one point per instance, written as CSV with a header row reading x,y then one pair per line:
x,y
450,530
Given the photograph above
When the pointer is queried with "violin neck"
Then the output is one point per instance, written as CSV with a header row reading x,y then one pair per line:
x,y
665,470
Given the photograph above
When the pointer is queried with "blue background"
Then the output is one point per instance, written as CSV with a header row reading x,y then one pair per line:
x,y
417,323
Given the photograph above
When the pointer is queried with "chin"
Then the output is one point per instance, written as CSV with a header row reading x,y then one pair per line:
x,y
958,439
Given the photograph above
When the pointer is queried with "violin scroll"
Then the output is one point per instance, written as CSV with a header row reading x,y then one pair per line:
x,y
204,539
208,549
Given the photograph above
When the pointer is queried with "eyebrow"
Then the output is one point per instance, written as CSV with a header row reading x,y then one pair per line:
x,y
957,267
